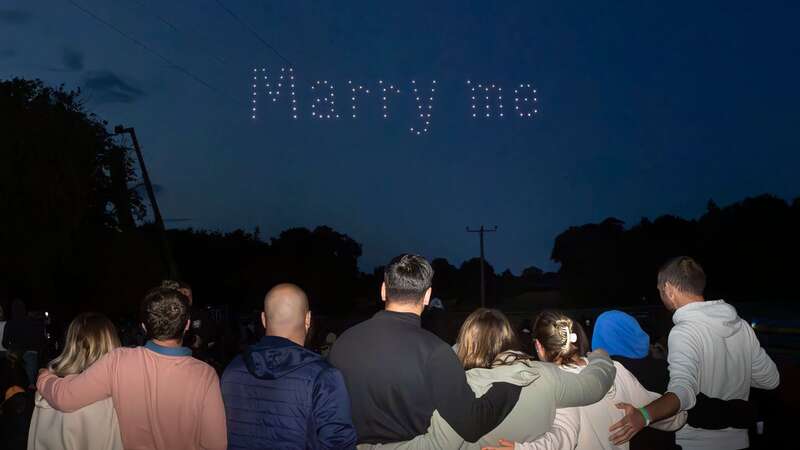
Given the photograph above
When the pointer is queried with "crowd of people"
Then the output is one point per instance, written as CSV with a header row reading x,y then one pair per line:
x,y
388,383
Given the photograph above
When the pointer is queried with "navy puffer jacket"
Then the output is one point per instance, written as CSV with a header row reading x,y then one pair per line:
x,y
279,395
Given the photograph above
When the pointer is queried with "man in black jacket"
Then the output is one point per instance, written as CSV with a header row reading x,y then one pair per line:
x,y
397,373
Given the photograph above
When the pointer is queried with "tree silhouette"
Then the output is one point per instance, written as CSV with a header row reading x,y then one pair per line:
x,y
748,250
591,261
469,286
59,190
324,262
445,279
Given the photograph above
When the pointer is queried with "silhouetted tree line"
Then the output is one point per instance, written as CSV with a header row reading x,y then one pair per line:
x,y
73,238
238,268
749,250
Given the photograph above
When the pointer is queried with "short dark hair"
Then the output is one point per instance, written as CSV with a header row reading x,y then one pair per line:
x,y
407,278
685,274
164,313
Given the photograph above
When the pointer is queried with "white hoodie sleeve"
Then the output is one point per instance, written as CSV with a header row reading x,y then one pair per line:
x,y
562,436
684,366
638,396
764,372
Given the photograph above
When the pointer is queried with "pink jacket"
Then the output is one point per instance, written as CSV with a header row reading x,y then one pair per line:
x,y
162,401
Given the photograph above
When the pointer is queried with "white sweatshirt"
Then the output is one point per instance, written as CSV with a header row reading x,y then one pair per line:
x,y
586,427
93,427
713,351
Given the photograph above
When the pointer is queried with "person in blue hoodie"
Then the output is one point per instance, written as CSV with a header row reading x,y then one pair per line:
x,y
278,394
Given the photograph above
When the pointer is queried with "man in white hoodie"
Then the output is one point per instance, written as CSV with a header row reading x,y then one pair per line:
x,y
711,351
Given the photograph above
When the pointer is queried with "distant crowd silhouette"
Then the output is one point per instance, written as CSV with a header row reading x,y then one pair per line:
x,y
387,382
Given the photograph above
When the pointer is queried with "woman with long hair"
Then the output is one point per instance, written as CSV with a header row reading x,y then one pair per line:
x,y
560,340
489,351
95,427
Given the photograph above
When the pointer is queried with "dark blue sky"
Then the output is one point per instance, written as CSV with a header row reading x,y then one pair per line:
x,y
646,109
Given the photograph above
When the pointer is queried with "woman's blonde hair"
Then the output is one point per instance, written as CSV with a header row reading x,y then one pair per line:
x,y
484,339
89,336
562,339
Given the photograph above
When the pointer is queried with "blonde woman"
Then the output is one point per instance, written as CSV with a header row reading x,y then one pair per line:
x,y
560,340
94,427
488,350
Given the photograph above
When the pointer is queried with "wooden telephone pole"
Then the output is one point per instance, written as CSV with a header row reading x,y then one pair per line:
x,y
162,231
480,232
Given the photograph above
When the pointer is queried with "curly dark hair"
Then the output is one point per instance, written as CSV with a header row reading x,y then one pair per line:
x,y
164,313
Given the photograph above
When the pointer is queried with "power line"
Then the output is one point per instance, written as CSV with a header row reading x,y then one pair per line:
x,y
145,46
174,28
161,19
254,33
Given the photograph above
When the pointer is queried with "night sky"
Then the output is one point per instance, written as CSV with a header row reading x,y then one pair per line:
x,y
646,108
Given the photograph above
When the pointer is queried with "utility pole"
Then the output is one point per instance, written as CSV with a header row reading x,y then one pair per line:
x,y
166,251
480,232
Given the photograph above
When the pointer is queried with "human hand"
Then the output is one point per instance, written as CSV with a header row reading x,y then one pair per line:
x,y
627,427
504,445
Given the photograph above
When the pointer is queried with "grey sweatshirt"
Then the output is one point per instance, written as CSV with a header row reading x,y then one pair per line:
x,y
713,351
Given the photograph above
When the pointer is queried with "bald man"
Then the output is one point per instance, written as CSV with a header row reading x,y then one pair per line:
x,y
280,395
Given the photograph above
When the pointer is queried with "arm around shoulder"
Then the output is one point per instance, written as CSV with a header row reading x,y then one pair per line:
x,y
470,417
640,397
76,391
587,387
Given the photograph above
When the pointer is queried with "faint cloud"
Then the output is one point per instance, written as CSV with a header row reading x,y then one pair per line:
x,y
106,87
72,59
14,16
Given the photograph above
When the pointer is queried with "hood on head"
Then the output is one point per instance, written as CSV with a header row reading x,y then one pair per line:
x,y
520,372
620,334
718,316
275,357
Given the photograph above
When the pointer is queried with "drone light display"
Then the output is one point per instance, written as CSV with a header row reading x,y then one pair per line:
x,y
412,101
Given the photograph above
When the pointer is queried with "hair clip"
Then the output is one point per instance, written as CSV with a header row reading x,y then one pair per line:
x,y
573,338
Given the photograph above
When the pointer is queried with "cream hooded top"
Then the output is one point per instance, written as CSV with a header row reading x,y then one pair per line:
x,y
93,427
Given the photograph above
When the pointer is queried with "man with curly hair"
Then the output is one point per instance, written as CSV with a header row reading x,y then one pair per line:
x,y
164,398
